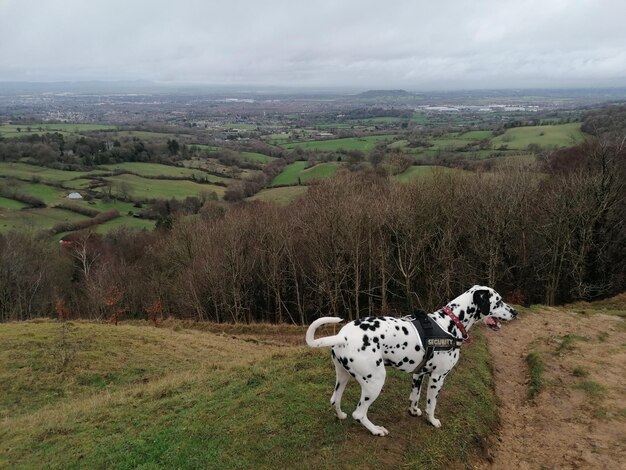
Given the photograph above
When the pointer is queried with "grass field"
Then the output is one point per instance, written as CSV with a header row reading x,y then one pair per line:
x,y
163,189
141,397
156,169
561,135
415,172
11,130
30,172
48,194
11,204
148,135
297,172
35,219
126,222
283,195
365,144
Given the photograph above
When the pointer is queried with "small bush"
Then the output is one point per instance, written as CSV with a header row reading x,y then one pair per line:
x,y
580,372
535,367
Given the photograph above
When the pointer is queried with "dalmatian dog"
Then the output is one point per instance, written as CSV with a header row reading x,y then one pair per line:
x,y
363,348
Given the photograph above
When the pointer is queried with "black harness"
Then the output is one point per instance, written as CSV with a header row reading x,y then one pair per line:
x,y
432,336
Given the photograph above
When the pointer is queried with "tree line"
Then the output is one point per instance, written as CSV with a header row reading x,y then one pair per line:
x,y
355,245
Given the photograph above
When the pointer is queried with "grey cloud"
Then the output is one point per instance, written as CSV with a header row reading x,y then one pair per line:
x,y
410,44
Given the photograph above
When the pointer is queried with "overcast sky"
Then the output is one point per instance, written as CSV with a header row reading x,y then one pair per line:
x,y
411,44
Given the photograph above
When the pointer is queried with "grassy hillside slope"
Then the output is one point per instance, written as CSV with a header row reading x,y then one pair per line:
x,y
95,395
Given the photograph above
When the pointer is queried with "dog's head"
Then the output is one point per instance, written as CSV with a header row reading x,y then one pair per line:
x,y
490,306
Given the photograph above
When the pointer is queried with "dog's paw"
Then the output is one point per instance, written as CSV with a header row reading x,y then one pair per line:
x,y
379,431
435,422
341,415
415,411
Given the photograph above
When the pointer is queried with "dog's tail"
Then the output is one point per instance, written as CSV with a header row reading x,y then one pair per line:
x,y
328,340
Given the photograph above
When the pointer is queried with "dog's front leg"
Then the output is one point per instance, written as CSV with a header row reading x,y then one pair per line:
x,y
434,385
415,394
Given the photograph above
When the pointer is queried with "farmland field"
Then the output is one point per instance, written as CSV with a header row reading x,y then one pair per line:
x,y
126,222
11,130
281,195
32,172
364,144
11,204
415,172
48,194
157,169
561,135
36,219
297,172
162,189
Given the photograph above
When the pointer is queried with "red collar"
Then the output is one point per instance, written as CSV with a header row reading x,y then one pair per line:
x,y
459,325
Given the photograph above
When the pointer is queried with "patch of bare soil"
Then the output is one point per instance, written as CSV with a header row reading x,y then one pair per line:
x,y
578,419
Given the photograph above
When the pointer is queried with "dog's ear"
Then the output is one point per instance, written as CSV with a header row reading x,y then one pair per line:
x,y
482,302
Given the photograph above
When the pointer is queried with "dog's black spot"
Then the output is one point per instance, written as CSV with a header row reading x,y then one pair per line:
x,y
411,361
382,336
358,421
369,376
405,331
429,401
406,359
336,387
366,342
451,327
378,362
462,315
442,314
357,322
433,386
397,328
351,360
434,367
405,344
366,398
375,339
417,348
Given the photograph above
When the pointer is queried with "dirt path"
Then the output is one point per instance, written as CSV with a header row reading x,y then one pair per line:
x,y
578,420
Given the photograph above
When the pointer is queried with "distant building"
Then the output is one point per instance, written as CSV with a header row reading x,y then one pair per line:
x,y
74,196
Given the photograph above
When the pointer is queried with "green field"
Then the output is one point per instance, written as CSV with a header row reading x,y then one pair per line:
x,y
143,188
561,135
416,172
156,169
365,144
149,135
48,194
282,195
11,130
135,396
36,219
25,171
297,172
126,222
11,204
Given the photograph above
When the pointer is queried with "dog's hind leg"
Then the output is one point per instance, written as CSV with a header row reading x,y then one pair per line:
x,y
370,389
415,394
343,376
